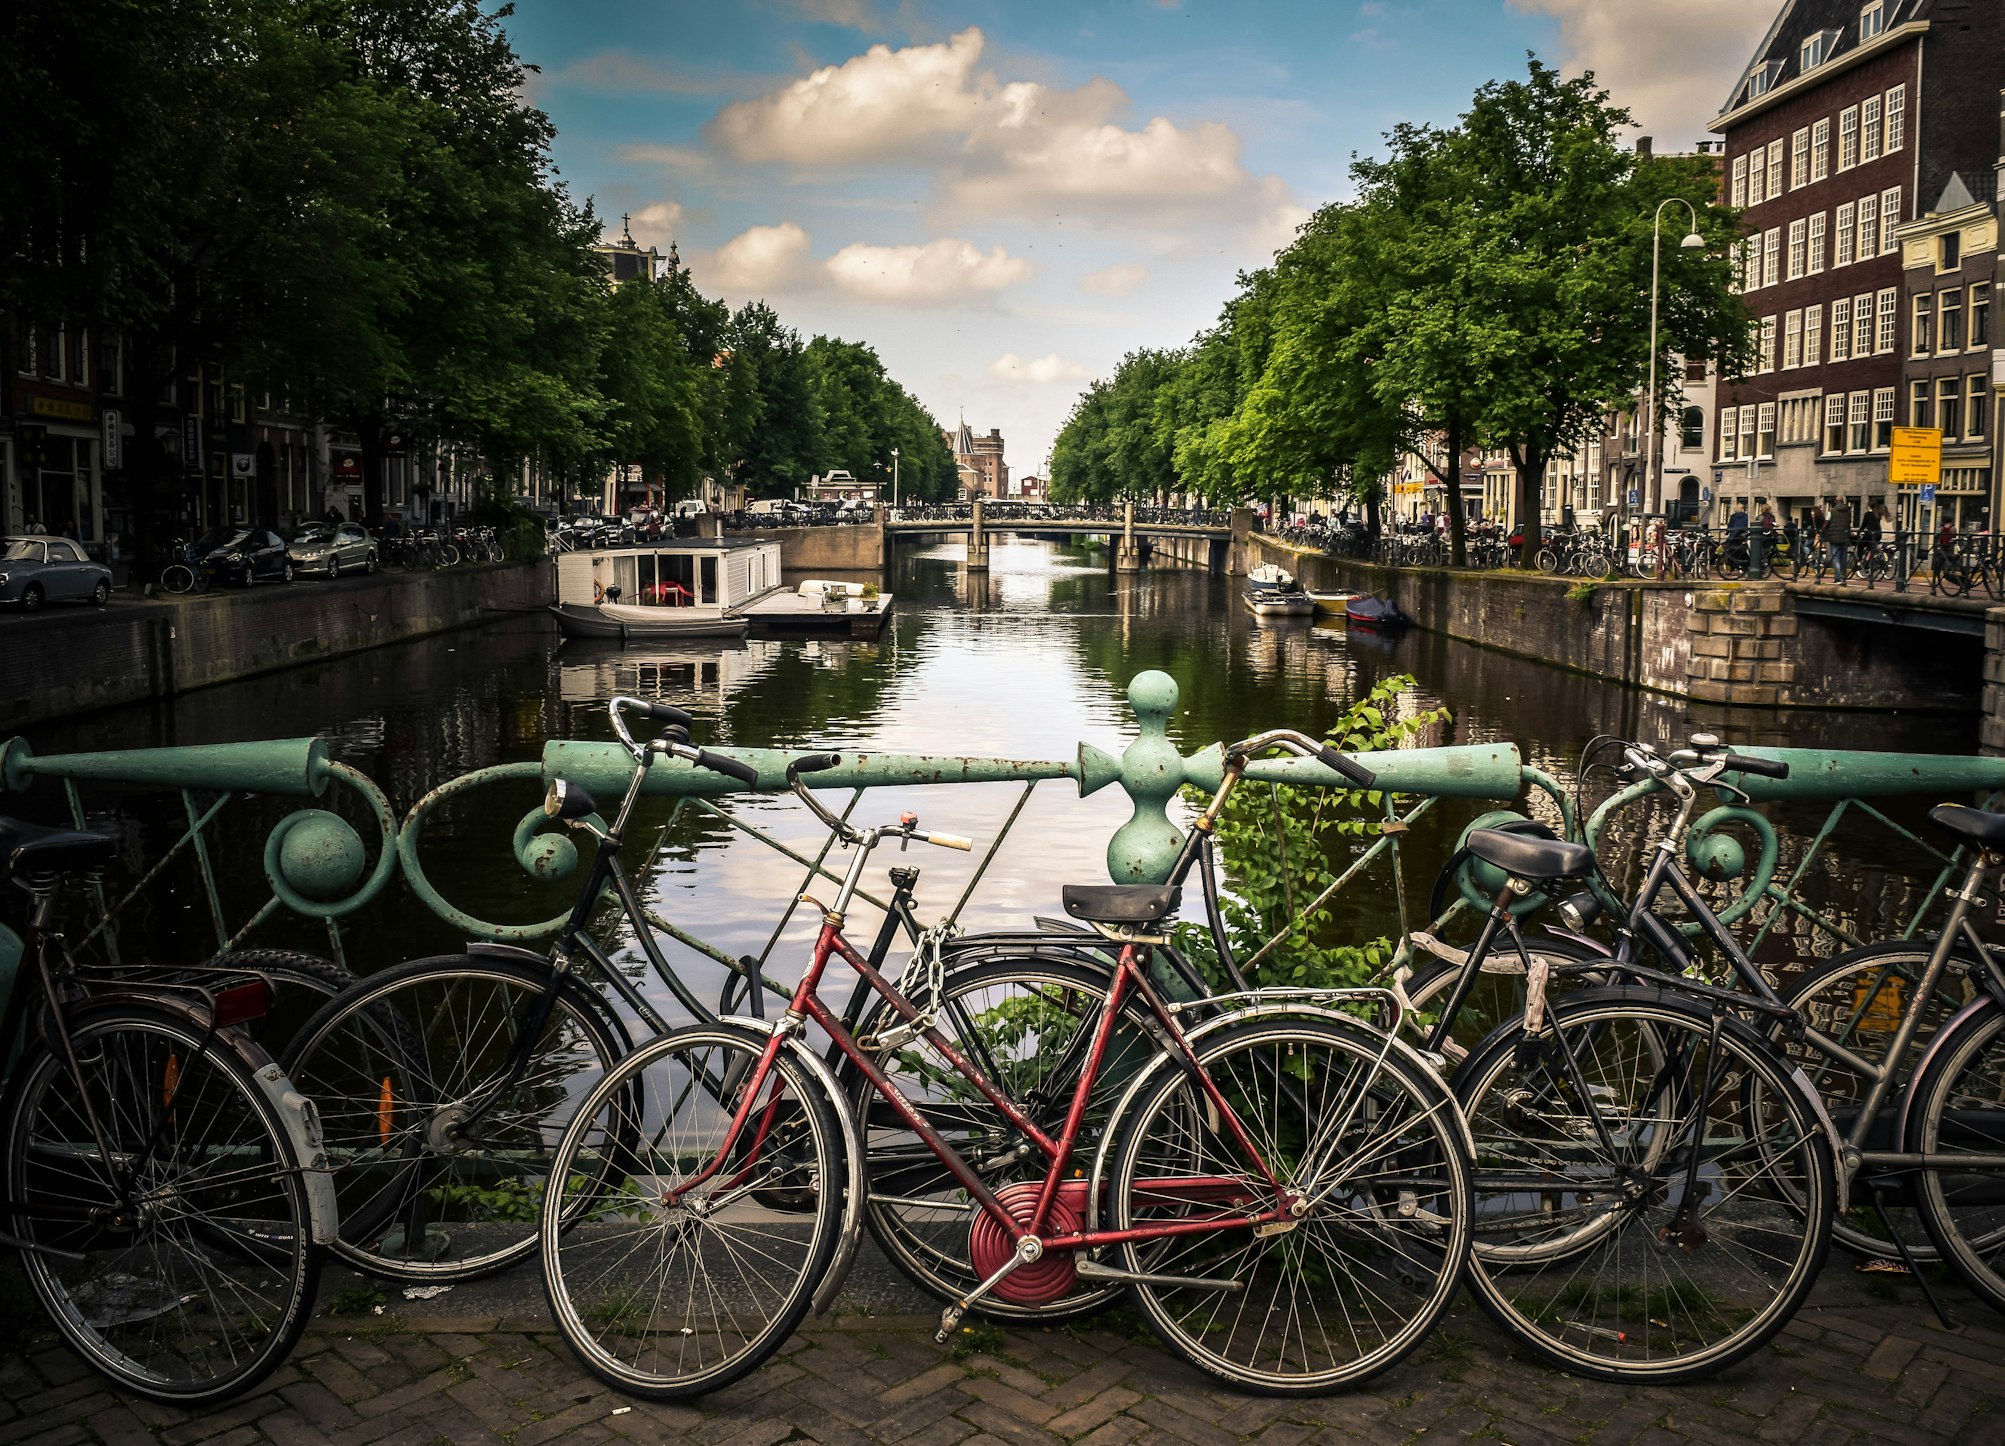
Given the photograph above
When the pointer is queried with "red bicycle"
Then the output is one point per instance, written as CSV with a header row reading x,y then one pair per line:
x,y
1283,1189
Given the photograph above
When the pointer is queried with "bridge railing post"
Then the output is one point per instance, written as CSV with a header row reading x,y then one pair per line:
x,y
978,541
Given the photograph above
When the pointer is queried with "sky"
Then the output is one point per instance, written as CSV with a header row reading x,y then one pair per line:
x,y
1004,197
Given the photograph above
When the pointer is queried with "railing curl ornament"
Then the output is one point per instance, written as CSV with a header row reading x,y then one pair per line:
x,y
315,858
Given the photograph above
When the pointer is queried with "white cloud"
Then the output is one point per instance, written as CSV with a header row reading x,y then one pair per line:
x,y
656,225
940,271
771,259
616,72
1671,65
1116,280
996,147
1009,367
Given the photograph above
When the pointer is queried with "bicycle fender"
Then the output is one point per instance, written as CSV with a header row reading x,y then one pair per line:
x,y
298,1114
852,1143
1595,946
481,949
1964,1018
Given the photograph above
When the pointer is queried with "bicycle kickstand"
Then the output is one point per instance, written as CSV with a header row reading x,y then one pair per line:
x,y
1907,1259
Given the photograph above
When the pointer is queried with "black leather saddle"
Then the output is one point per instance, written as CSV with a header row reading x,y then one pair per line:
x,y
1121,903
29,849
1972,824
1525,856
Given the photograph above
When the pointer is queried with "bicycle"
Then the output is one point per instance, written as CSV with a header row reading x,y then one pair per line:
x,y
1285,1120
181,575
163,1182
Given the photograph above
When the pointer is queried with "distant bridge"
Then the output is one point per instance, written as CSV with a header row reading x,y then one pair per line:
x,y
1127,526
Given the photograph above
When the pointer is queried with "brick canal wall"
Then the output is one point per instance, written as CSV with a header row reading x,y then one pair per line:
x,y
1740,644
69,661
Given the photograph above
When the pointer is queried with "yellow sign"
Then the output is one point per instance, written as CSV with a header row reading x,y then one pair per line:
x,y
67,411
1916,460
1408,489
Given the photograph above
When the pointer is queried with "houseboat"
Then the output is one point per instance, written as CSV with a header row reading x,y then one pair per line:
x,y
684,588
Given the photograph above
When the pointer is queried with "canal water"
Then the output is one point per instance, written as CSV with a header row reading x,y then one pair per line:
x,y
1025,662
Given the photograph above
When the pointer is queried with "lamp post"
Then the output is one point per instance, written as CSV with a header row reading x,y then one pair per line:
x,y
1693,241
894,479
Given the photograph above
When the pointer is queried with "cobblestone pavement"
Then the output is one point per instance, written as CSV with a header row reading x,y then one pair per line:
x,y
1865,1361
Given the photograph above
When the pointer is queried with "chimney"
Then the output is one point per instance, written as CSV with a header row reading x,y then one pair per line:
x,y
1643,147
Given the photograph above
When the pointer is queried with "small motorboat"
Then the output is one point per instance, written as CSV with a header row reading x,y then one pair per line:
x,y
1375,612
1332,604
1271,591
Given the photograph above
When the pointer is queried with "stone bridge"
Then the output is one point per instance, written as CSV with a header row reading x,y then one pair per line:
x,y
1216,539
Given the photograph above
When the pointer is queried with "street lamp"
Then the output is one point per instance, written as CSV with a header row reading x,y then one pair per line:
x,y
894,479
1693,241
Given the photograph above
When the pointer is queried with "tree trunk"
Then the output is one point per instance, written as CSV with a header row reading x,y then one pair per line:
x,y
369,429
1458,527
1531,466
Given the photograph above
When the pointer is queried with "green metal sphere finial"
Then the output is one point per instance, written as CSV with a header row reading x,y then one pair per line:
x,y
1143,849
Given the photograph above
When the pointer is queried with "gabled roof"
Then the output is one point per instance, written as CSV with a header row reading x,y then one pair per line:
x,y
1796,21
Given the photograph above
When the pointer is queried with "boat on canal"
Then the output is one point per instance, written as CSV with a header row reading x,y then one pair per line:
x,y
823,605
1271,591
1332,605
684,588
1381,613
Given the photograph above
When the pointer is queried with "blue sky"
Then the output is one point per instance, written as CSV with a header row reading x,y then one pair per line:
x,y
1004,198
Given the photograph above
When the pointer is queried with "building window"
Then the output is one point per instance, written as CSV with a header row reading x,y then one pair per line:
x,y
1775,168
1764,441
1845,235
1834,422
1872,20
1792,340
1815,260
1728,430
1979,397
1747,432
1861,420
1919,414
1890,218
1768,344
1949,326
1949,406
1799,159
1980,314
111,365
1813,335
1883,418
1743,266
53,354
1757,166
1889,308
1771,256
1841,328
1869,129
1738,194
1692,428
1923,329
1869,228
1896,123
1949,252
1820,149
1799,247
1862,325
1848,138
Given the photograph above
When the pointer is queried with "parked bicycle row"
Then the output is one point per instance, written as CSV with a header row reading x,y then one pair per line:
x,y
1636,1162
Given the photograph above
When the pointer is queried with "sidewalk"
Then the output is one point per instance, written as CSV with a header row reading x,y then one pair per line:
x,y
1864,1361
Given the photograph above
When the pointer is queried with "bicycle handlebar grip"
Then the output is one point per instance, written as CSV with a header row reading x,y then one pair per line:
x,y
1760,767
812,763
745,773
675,717
950,841
1356,772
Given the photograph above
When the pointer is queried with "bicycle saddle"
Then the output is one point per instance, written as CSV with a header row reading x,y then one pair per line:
x,y
1972,824
1527,857
29,849
1121,903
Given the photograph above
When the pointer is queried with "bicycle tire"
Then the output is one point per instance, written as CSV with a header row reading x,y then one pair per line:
x,y
178,577
389,1108
919,1217
1554,1228
631,1278
239,1286
1949,1114
1366,1277
1841,998
1547,561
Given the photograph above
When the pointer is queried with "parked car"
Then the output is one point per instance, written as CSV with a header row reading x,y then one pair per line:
x,y
332,550
35,570
242,555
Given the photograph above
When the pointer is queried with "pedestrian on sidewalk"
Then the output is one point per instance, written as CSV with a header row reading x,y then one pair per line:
x,y
1838,537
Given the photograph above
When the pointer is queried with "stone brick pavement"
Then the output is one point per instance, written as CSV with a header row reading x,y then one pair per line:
x,y
1864,1361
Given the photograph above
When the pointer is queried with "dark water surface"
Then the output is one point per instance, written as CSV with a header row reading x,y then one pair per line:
x,y
1027,662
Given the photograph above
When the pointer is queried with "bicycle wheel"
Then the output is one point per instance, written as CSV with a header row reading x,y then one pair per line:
x,y
1367,1142
685,1280
1026,1025
399,1065
1596,1244
1856,1000
181,1265
178,577
1959,1109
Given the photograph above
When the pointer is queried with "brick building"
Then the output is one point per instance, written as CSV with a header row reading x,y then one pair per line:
x,y
979,461
1832,143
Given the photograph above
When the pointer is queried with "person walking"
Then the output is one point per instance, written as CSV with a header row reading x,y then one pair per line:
x,y
1838,538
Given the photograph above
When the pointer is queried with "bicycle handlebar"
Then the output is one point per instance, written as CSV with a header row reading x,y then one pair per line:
x,y
1760,767
1327,754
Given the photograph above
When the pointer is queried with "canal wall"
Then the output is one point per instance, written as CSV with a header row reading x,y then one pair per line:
x,y
1740,644
67,661
845,547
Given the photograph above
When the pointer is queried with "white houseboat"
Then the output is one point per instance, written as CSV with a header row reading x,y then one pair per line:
x,y
687,588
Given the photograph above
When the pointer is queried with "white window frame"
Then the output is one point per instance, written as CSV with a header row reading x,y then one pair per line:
x,y
1747,420
1869,129
1729,432
1764,430
1848,138
1792,340
1799,159
1737,196
1799,247
1890,218
1859,432
1816,254
1757,167
1872,20
1820,150
1896,119
1771,256
1834,422
1841,329
1767,344
1841,244
1889,319
1976,406
1868,244
1775,168
1813,335
1883,415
